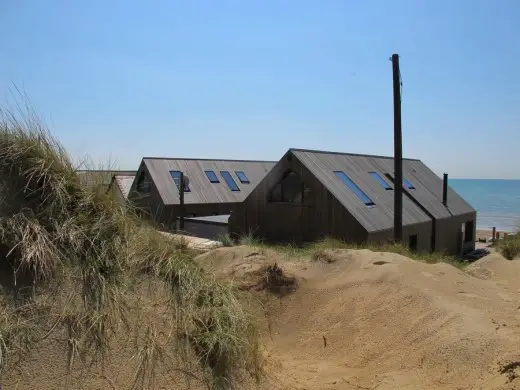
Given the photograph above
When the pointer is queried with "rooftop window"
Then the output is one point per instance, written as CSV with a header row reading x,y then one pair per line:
x,y
380,180
212,177
355,189
229,180
176,176
242,177
408,184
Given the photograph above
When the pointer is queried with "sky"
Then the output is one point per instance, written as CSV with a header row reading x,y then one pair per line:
x,y
249,79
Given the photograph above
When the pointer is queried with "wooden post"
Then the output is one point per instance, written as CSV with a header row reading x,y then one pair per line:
x,y
445,190
181,196
398,152
461,241
493,236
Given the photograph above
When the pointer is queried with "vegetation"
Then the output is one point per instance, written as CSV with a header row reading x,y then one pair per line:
x,y
78,261
317,250
248,239
510,247
226,240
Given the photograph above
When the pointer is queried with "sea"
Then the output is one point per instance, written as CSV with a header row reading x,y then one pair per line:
x,y
497,201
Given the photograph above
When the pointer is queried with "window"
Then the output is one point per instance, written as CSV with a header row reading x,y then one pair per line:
x,y
242,177
212,177
355,189
408,184
229,180
381,181
290,189
176,176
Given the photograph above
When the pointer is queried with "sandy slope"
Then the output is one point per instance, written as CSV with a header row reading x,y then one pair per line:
x,y
378,320
363,321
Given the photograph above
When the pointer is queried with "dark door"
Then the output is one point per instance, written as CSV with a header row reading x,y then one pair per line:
x,y
413,242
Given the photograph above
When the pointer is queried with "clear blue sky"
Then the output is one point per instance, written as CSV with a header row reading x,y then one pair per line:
x,y
249,79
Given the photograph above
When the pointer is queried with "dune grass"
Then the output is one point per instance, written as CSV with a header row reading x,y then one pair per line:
x,y
63,233
509,247
316,250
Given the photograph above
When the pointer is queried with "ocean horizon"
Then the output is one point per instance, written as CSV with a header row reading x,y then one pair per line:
x,y
497,201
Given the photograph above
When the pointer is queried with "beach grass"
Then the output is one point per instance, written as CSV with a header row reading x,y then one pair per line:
x,y
83,255
317,250
510,246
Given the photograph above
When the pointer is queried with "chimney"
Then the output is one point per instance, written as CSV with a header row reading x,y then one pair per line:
x,y
445,190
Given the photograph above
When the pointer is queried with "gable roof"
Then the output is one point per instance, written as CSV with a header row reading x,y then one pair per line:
x,y
427,192
202,190
100,177
124,183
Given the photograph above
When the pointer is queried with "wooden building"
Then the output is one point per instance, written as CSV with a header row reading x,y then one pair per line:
x,y
312,194
120,185
100,178
212,227
214,187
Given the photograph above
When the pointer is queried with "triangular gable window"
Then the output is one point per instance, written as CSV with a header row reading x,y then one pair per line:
x,y
290,189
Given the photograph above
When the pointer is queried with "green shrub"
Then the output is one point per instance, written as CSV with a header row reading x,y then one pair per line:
x,y
226,240
510,247
249,239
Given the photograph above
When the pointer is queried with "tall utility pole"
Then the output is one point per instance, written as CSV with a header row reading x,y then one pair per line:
x,y
181,196
398,152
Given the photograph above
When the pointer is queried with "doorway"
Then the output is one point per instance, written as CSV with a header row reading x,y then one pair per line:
x,y
412,242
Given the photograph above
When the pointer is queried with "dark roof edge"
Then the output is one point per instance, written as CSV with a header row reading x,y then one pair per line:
x,y
207,159
347,154
106,170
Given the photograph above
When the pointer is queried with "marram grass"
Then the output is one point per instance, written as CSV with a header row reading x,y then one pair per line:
x,y
60,232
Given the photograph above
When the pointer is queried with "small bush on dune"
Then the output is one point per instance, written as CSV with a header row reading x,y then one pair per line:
x,y
226,240
51,224
249,239
510,247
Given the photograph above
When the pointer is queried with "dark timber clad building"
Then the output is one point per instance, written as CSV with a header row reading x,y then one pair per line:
x,y
101,178
119,187
311,194
215,187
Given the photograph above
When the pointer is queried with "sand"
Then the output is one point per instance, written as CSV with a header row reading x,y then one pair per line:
x,y
364,320
481,233
377,320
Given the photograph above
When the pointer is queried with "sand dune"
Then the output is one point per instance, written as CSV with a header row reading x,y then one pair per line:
x,y
370,320
364,320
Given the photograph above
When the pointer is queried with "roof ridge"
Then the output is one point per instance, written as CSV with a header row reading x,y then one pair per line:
x,y
207,159
347,154
106,170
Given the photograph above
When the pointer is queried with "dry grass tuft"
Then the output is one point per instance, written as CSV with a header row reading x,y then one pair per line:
x,y
64,233
323,255
277,282
226,240
318,250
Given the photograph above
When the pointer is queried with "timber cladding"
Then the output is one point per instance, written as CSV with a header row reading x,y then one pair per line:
x,y
156,194
351,197
201,189
320,214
